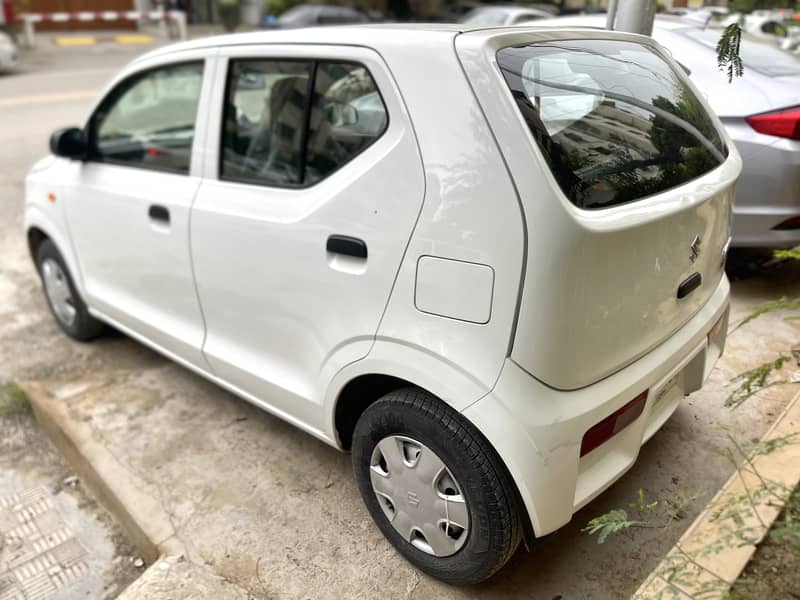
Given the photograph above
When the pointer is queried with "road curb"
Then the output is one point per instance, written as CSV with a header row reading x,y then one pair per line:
x,y
688,571
118,489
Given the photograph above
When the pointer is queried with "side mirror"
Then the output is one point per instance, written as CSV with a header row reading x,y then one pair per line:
x,y
69,143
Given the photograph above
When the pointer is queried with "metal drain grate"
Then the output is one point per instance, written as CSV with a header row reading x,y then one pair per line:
x,y
39,555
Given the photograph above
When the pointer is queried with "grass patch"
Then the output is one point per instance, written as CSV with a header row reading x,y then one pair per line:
x,y
12,399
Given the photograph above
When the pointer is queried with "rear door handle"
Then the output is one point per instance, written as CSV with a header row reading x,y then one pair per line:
x,y
156,212
349,246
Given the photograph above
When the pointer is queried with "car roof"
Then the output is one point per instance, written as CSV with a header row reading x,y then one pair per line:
x,y
370,35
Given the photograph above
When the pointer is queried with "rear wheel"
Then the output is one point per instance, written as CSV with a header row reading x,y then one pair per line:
x,y
65,303
435,487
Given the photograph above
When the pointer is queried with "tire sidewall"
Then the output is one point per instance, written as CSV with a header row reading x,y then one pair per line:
x,y
471,563
84,326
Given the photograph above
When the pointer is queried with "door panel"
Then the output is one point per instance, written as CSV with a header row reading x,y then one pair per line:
x,y
136,268
129,205
281,308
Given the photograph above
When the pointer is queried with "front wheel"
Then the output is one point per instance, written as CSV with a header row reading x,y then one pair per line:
x,y
435,487
68,308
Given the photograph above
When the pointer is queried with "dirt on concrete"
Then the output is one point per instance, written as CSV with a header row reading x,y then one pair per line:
x,y
56,542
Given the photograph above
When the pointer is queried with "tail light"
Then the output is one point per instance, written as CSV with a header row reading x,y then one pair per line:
x,y
782,123
613,424
788,224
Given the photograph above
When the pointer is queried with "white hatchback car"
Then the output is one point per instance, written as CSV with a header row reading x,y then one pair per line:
x,y
488,262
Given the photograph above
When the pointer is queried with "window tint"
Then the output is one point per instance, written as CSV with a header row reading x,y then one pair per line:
x,y
274,134
148,120
347,115
614,122
264,118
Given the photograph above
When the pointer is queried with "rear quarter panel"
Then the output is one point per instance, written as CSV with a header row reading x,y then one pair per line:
x,y
471,213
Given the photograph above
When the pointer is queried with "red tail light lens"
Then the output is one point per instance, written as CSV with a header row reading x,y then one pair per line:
x,y
788,224
613,424
784,123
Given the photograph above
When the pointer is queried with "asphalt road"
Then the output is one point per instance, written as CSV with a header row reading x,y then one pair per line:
x,y
300,522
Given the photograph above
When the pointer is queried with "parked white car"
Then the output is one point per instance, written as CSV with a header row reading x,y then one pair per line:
x,y
9,54
492,279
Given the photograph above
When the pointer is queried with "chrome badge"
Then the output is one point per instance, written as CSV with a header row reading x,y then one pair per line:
x,y
694,248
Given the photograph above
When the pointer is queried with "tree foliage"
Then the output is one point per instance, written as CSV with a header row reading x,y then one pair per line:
x,y
728,58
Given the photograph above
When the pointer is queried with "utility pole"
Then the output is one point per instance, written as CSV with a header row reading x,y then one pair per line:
x,y
635,16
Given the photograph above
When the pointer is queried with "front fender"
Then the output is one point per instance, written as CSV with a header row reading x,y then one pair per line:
x,y
36,217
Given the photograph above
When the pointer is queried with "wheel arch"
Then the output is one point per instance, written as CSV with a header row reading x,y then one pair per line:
x,y
364,382
38,228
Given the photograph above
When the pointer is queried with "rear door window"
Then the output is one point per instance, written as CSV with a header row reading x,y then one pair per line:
x,y
293,123
614,121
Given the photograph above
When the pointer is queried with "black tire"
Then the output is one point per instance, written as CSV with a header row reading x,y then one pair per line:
x,y
84,327
495,528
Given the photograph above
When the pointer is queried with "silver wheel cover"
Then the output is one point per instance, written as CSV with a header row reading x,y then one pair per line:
x,y
58,293
419,496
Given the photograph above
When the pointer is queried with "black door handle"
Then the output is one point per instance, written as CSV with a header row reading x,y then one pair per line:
x,y
349,246
158,213
688,285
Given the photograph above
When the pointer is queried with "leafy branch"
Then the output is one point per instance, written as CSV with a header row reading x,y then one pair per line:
x,y
756,379
791,254
651,514
728,58
767,307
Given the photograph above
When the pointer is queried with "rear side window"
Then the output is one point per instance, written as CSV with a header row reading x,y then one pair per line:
x,y
614,122
264,120
292,123
347,115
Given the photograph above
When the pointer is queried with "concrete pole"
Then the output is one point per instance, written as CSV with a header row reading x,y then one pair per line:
x,y
634,16
28,34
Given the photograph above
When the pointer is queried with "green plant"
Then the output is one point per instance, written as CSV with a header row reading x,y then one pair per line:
x,y
646,514
788,528
12,399
757,379
728,58
738,519
738,515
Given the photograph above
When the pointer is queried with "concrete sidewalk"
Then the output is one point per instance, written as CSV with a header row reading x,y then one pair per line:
x,y
253,500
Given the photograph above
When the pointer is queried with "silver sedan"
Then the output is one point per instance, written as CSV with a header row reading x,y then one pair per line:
x,y
505,15
761,111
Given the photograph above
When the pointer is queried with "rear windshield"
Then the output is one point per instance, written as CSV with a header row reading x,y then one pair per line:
x,y
759,56
613,120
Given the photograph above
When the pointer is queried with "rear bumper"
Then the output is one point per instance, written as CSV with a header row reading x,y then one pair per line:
x,y
538,430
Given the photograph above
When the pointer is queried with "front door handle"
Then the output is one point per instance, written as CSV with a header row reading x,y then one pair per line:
x,y
349,246
159,213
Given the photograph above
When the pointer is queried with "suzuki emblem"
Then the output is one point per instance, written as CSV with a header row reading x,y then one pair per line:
x,y
694,248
